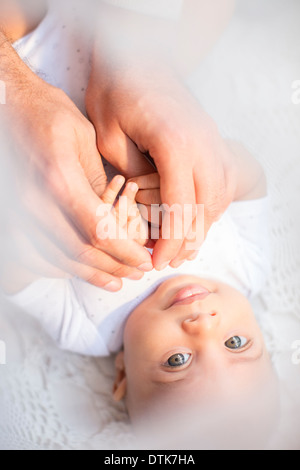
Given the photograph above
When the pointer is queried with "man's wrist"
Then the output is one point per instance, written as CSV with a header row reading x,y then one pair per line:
x,y
20,81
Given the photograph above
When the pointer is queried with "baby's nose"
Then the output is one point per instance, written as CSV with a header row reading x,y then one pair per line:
x,y
201,322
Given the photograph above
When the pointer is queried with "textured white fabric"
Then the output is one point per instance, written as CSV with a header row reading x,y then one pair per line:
x,y
56,400
85,319
169,9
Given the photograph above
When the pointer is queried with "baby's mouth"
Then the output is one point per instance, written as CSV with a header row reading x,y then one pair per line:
x,y
190,294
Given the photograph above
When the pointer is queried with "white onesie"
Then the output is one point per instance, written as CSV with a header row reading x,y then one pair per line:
x,y
89,320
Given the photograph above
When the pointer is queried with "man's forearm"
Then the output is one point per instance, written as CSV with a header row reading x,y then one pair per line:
x,y
19,80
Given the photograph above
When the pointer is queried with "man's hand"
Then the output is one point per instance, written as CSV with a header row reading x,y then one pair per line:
x,y
60,178
138,109
22,262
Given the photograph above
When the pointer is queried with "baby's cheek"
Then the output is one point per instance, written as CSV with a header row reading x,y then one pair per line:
x,y
134,329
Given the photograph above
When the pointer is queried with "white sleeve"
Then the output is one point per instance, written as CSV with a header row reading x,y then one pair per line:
x,y
251,220
169,9
54,303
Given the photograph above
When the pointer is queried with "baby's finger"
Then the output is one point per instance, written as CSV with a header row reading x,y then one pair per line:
x,y
111,192
126,202
130,191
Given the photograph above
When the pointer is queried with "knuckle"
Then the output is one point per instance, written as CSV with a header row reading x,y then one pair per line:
x,y
131,261
121,271
99,183
85,256
171,140
95,279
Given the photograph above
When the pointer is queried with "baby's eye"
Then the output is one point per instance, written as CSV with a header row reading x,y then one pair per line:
x,y
236,342
178,360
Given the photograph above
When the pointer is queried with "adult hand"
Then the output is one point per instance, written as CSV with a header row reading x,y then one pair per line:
x,y
60,180
139,108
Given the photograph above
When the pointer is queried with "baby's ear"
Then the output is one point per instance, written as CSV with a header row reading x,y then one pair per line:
x,y
120,385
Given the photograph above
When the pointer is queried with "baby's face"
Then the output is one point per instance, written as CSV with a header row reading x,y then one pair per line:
x,y
192,340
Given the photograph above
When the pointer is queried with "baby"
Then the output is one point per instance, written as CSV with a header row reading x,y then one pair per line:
x,y
187,334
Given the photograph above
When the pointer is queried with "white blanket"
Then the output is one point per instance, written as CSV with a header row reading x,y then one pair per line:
x,y
54,400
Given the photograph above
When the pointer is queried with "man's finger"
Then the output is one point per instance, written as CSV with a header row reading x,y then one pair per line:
x,y
210,194
48,218
193,241
125,204
177,220
46,255
92,165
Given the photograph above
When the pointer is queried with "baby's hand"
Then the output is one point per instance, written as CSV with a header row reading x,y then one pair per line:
x,y
124,209
149,200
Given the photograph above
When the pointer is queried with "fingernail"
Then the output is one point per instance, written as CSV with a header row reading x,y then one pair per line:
x,y
120,179
113,286
163,266
133,187
146,267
